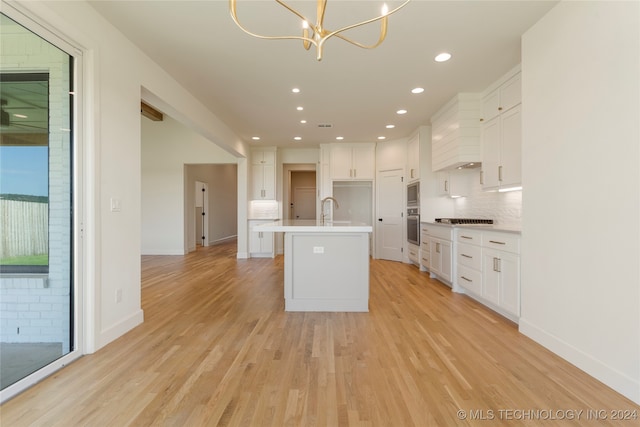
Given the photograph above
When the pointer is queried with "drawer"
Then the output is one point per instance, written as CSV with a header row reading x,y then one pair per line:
x,y
472,237
413,253
501,241
425,260
470,256
443,232
470,279
424,246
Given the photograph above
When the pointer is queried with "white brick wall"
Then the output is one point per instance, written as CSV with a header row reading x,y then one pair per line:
x,y
37,309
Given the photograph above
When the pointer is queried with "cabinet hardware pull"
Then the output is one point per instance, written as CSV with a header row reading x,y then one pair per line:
x,y
438,248
499,173
498,262
468,280
446,185
481,177
496,242
499,108
466,237
466,256
495,268
482,120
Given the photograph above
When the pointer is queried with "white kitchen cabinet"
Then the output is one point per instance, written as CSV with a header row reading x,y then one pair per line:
x,y
501,271
455,139
413,158
502,137
502,98
261,244
455,183
501,279
425,249
469,260
440,251
352,162
263,174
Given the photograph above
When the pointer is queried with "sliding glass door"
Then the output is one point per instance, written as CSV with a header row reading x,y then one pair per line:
x,y
36,204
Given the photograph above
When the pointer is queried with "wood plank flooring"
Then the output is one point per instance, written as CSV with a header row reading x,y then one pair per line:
x,y
217,348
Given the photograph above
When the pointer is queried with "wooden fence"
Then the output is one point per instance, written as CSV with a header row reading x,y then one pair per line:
x,y
23,228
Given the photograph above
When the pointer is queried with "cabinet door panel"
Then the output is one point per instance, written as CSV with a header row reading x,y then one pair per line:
x,y
511,147
490,105
510,93
340,162
510,283
447,260
490,153
490,276
364,162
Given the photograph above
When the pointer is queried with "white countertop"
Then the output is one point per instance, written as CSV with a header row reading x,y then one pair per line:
x,y
483,227
315,226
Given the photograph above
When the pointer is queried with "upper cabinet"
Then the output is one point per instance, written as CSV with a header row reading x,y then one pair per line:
x,y
456,132
263,174
502,134
413,158
352,162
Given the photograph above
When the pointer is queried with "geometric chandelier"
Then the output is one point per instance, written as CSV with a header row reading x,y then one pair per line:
x,y
317,34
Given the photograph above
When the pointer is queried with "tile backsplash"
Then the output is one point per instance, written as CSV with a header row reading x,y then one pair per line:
x,y
504,208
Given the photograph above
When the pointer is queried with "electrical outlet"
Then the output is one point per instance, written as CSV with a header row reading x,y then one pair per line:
x,y
318,249
118,295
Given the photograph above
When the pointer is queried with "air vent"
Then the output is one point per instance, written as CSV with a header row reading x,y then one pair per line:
x,y
325,125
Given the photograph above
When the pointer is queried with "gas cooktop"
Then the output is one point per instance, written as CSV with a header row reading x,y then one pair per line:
x,y
464,221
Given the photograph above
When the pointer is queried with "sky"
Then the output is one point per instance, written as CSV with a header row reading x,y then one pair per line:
x,y
24,170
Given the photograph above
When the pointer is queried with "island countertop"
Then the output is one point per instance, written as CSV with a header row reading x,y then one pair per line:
x,y
314,226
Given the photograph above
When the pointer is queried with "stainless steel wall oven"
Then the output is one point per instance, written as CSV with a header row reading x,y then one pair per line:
x,y
413,225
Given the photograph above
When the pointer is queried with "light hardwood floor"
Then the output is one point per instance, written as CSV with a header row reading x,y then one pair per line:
x,y
216,348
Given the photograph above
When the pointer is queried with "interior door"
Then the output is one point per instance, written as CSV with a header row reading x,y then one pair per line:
x,y
304,203
390,210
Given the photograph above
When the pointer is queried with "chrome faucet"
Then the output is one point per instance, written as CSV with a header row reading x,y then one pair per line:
x,y
322,210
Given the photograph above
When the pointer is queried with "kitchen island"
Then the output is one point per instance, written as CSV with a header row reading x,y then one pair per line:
x,y
326,265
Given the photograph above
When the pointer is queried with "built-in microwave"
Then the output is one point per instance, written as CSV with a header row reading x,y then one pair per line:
x,y
413,194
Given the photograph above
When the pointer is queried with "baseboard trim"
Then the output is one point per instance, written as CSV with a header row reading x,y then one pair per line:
x,y
222,240
120,328
618,381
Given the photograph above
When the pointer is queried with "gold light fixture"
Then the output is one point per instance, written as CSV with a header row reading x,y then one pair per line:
x,y
317,34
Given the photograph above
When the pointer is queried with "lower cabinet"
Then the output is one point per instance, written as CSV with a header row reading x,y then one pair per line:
x,y
488,269
436,251
501,277
261,243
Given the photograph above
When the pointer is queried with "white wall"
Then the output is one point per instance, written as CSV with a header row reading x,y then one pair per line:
x,y
166,147
116,75
581,229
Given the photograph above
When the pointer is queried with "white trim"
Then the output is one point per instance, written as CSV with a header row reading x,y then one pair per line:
x,y
121,328
610,376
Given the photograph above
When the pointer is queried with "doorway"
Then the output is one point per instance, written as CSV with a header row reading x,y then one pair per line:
x,y
302,204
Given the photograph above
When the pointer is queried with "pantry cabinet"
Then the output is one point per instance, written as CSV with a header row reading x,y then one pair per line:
x,y
263,174
352,162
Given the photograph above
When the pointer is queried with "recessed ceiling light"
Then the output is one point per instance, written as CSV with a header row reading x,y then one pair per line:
x,y
339,138
299,108
442,57
390,126
417,90
401,112
382,137
295,90
255,138
297,138
303,121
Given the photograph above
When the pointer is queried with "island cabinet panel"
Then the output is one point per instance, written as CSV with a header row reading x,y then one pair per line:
x,y
326,271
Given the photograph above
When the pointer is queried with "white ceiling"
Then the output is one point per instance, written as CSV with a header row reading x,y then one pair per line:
x,y
247,81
